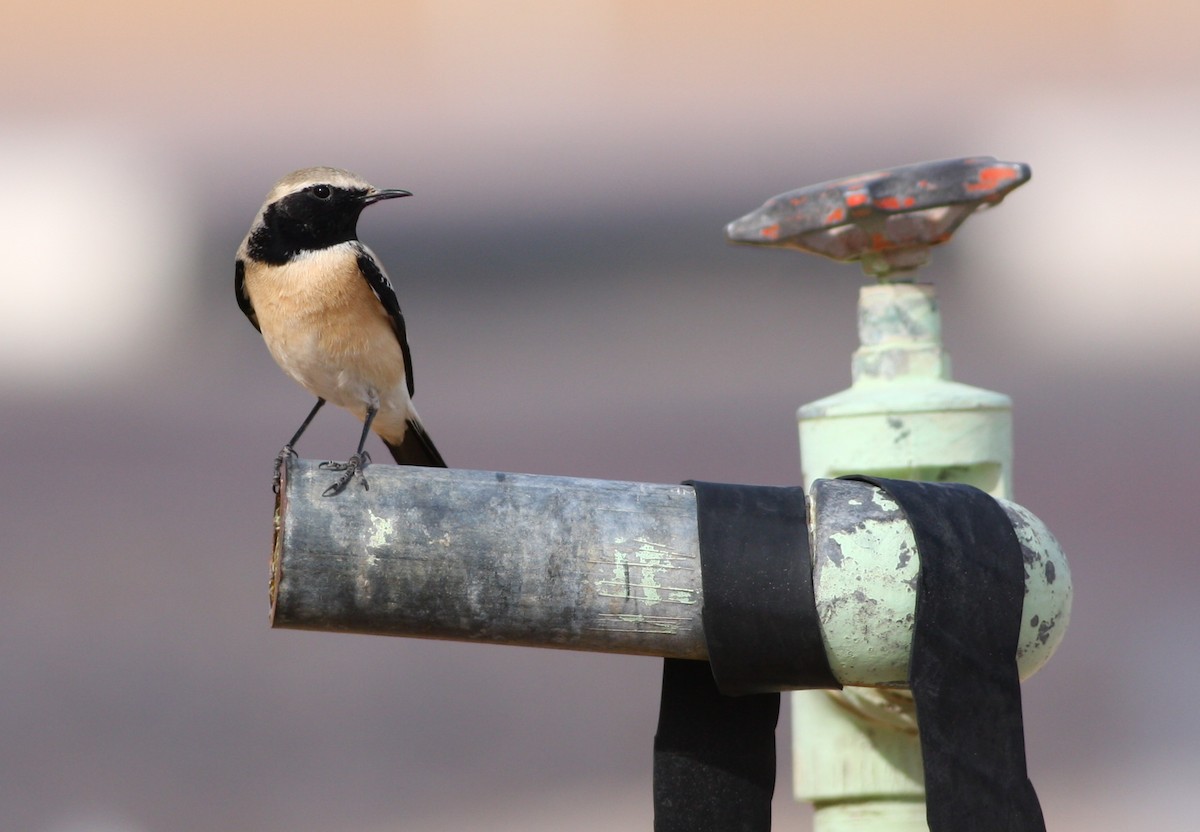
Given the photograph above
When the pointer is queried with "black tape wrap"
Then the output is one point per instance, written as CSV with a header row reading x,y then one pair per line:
x,y
760,613
963,669
714,752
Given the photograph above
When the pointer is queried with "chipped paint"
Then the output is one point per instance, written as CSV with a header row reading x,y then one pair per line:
x,y
991,178
648,559
895,203
866,570
896,215
1048,591
479,556
381,530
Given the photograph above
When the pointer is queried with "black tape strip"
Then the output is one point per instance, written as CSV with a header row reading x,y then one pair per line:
x,y
714,755
963,670
760,614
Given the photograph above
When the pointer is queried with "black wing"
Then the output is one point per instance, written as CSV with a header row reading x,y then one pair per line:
x,y
383,290
243,299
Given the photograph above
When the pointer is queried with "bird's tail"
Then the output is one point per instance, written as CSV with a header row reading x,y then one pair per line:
x,y
416,448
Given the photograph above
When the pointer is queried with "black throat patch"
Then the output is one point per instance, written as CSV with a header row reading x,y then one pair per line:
x,y
304,221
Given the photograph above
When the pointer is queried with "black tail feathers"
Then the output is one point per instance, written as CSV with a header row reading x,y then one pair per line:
x,y
416,448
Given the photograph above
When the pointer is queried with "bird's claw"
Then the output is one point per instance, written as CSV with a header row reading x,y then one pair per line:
x,y
284,454
352,468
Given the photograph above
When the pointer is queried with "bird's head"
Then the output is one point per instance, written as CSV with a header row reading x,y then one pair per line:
x,y
309,210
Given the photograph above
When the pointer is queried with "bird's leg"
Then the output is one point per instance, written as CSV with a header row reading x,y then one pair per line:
x,y
289,449
356,463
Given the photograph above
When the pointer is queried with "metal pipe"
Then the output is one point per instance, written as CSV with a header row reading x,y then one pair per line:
x,y
482,556
596,565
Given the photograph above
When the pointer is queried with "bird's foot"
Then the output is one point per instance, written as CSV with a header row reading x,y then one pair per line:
x,y
288,451
352,468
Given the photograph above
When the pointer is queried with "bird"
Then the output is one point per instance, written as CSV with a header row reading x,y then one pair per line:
x,y
329,315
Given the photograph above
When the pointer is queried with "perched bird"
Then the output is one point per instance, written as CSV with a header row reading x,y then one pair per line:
x,y
329,315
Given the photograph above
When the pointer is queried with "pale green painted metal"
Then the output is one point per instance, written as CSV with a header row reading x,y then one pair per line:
x,y
857,753
865,572
903,416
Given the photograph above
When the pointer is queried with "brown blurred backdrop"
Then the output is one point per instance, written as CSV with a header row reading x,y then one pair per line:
x,y
573,309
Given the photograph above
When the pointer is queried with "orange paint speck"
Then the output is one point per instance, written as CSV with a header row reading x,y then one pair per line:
x,y
855,200
771,232
797,201
991,178
836,215
892,203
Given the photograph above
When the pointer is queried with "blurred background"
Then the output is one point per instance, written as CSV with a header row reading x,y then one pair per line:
x,y
573,309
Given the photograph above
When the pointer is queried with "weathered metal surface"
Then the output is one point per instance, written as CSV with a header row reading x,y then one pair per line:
x,y
888,219
865,568
484,556
899,333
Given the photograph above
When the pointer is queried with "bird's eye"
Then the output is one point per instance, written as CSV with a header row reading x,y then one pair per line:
x,y
321,192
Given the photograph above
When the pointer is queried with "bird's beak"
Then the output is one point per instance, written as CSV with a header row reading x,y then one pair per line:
x,y
377,196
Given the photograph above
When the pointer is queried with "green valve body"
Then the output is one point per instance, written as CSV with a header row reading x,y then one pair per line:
x,y
904,417
857,752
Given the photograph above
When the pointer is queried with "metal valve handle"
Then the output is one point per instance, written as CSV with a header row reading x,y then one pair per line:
x,y
889,219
